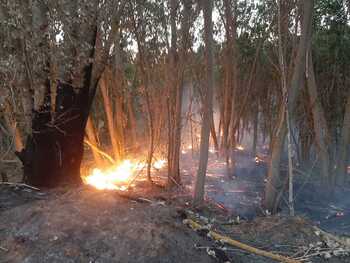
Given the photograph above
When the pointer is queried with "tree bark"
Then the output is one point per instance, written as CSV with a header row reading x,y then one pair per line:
x,y
229,84
207,106
176,71
319,121
109,115
274,182
91,134
344,143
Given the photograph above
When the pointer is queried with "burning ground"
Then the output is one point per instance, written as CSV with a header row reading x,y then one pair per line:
x,y
145,223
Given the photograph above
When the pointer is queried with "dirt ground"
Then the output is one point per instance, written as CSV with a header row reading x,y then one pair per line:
x,y
87,225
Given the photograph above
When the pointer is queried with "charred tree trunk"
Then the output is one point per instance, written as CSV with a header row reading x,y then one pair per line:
x,y
54,151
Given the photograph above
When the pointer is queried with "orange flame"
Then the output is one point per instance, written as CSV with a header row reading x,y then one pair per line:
x,y
118,176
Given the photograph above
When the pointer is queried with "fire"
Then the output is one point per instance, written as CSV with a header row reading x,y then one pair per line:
x,y
113,178
212,150
159,164
240,147
118,176
258,160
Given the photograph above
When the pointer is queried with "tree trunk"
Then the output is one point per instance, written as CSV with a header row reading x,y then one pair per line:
x,y
91,134
319,121
13,127
207,105
344,143
109,115
213,133
54,152
176,71
132,119
274,181
255,131
229,74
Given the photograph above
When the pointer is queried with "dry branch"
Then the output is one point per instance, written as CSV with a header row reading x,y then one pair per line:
x,y
224,239
20,185
95,148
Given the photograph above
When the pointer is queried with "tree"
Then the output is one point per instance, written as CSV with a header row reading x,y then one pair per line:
x,y
274,183
63,76
176,71
207,106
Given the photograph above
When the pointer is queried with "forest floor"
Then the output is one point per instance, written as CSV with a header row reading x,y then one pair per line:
x,y
145,224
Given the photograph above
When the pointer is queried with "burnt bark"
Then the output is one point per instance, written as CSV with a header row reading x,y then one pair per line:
x,y
54,151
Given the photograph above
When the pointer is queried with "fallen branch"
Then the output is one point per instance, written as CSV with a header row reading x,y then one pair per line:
x,y
345,241
224,239
20,185
4,249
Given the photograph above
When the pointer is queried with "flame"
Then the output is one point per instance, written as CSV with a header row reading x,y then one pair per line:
x,y
258,160
118,176
114,177
159,164
212,150
240,147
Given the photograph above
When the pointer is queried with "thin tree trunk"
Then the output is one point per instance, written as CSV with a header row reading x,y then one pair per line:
x,y
274,181
344,143
91,134
229,86
109,115
255,131
319,120
13,127
132,119
177,71
285,99
213,133
151,136
207,105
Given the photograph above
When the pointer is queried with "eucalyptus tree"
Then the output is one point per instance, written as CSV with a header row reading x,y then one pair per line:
x,y
207,102
274,183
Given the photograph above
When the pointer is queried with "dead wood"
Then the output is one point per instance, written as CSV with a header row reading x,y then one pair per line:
x,y
224,239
